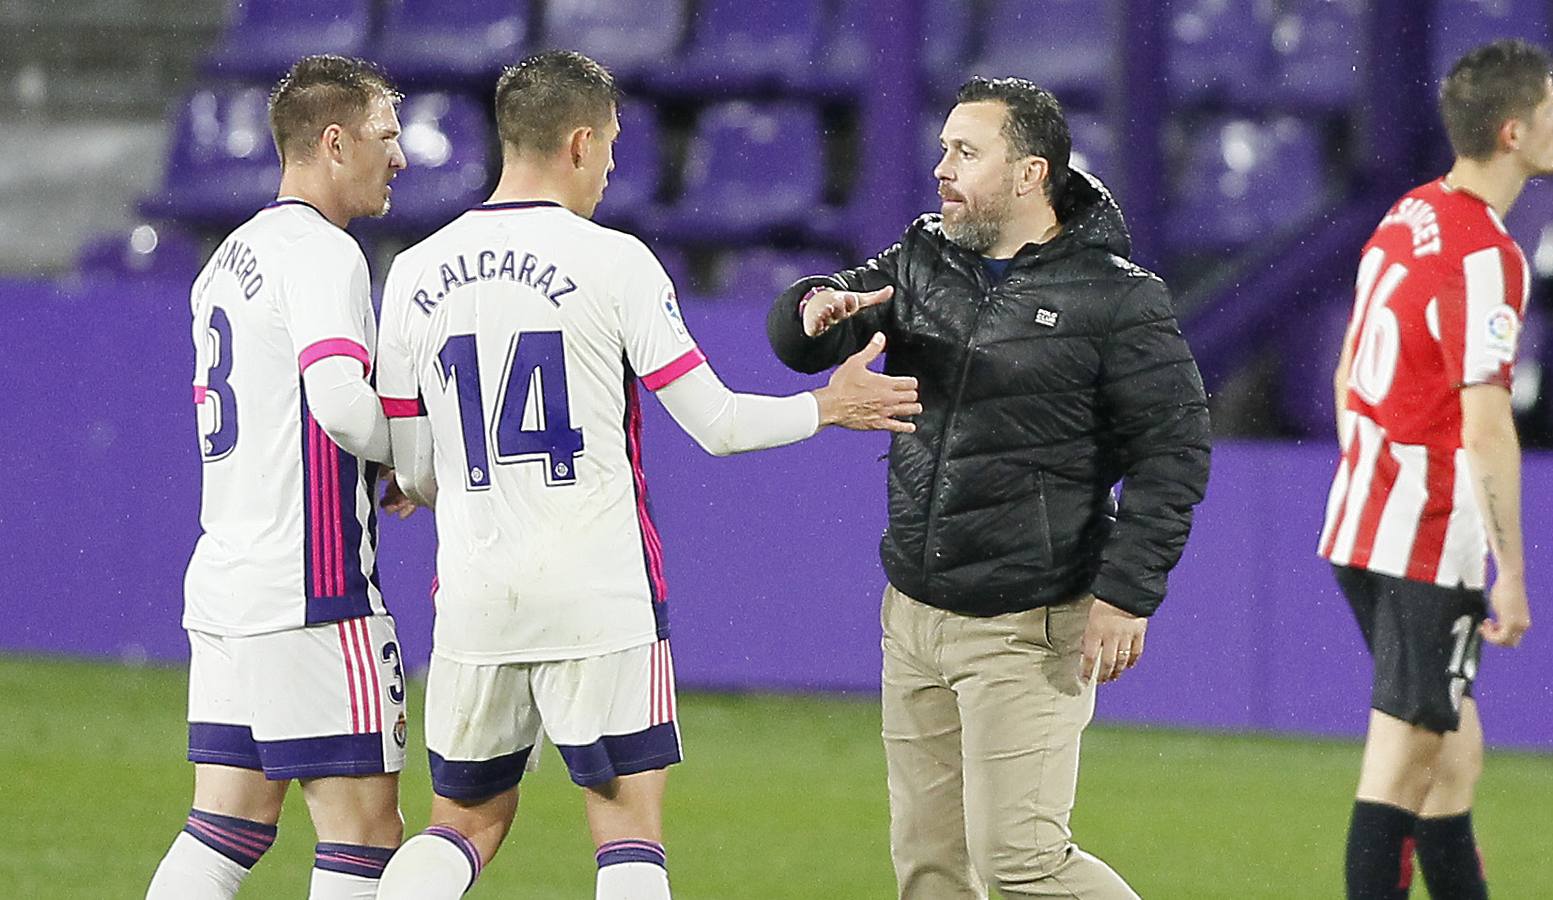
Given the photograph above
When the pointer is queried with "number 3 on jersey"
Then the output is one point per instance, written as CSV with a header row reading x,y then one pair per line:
x,y
218,409
533,413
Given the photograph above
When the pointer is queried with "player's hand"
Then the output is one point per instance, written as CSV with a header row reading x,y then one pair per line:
x,y
394,500
826,308
1512,612
1113,642
862,399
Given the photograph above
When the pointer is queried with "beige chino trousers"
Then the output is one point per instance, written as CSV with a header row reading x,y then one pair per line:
x,y
982,718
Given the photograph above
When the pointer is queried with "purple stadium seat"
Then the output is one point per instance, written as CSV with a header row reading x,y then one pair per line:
x,y
1243,180
751,169
468,42
737,46
1220,51
843,61
632,39
221,167
264,37
1316,53
448,144
1062,45
633,186
759,274
144,251
1460,25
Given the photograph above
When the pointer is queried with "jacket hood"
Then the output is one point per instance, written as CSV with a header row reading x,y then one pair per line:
x,y
1090,217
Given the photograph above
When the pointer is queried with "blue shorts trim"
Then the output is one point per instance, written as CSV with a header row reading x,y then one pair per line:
x,y
223,745
614,755
313,757
476,779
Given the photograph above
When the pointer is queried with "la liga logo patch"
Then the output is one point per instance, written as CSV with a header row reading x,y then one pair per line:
x,y
668,304
1503,326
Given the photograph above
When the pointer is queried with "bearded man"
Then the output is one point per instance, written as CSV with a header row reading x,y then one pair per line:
x,y
1049,369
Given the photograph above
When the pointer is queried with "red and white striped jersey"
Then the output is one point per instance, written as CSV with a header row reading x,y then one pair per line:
x,y
520,330
290,533
1438,303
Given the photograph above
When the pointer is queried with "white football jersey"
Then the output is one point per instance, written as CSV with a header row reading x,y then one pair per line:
x,y
520,329
290,534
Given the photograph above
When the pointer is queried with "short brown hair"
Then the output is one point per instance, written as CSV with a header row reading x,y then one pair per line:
x,y
1496,82
320,91
542,99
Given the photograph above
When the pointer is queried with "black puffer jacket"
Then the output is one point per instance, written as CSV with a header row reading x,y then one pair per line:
x,y
1040,392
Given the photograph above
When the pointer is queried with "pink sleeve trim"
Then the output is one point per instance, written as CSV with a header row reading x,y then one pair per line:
x,y
335,347
670,373
399,408
199,394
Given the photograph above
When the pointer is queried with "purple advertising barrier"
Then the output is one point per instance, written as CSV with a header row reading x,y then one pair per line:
x,y
774,579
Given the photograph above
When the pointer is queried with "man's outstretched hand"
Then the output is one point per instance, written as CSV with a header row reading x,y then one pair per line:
x,y
862,399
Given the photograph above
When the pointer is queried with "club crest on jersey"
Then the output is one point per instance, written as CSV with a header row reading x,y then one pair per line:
x,y
1047,317
1502,326
669,304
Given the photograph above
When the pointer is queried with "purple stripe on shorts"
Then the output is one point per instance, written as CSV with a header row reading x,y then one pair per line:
x,y
464,845
614,755
352,859
242,841
315,757
459,779
614,853
223,745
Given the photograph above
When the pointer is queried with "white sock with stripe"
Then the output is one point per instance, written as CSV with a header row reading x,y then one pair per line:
x,y
193,871
632,870
437,864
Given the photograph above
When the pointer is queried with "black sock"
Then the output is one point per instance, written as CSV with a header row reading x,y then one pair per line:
x,y
1380,851
1448,854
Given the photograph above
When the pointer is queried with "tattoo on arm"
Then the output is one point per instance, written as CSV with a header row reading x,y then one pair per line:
x,y
1495,526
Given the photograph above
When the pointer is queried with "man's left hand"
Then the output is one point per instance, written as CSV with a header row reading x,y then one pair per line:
x,y
394,500
1113,642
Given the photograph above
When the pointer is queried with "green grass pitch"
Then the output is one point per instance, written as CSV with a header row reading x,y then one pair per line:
x,y
780,797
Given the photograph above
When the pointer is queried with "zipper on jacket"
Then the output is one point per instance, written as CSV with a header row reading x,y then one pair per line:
x,y
943,446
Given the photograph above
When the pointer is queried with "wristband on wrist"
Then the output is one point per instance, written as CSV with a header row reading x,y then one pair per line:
x,y
809,294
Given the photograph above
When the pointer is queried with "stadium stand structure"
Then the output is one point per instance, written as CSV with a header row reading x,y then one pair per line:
x,y
783,126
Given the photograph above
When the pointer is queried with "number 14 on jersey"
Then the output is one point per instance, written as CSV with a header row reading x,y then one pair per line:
x,y
533,420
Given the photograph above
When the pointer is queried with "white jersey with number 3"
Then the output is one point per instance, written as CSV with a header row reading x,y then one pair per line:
x,y
520,329
289,529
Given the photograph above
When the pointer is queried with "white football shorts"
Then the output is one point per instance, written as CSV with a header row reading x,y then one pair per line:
x,y
302,703
608,715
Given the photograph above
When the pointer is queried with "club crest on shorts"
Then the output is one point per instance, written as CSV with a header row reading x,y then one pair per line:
x,y
1047,317
401,731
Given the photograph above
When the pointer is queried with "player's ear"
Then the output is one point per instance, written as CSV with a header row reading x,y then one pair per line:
x,y
1509,134
1035,170
331,142
581,139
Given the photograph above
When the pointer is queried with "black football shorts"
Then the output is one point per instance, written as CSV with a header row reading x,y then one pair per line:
x,y
1424,640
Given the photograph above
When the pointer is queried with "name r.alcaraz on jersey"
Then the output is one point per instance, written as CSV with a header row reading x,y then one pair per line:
x,y
494,265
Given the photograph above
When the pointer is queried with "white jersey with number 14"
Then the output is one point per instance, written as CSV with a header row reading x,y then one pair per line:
x,y
520,330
